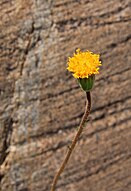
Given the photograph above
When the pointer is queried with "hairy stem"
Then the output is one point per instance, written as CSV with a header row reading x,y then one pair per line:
x,y
72,146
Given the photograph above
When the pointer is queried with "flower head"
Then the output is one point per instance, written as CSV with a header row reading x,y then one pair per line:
x,y
84,64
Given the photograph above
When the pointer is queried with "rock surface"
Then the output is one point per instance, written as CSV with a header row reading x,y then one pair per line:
x,y
41,104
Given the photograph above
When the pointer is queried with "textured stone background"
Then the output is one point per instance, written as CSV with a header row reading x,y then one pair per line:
x,y
41,104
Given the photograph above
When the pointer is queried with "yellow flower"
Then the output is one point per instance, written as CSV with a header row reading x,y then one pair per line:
x,y
84,64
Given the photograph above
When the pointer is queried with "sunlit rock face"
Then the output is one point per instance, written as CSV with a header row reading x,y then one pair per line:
x,y
41,104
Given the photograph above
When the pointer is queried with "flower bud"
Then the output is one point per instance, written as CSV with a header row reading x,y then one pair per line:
x,y
87,83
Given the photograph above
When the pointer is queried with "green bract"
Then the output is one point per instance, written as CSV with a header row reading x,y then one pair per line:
x,y
87,83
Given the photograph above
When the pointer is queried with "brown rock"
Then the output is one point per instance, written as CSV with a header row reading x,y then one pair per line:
x,y
42,104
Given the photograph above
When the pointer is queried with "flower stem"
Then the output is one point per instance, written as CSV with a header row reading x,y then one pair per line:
x,y
72,146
